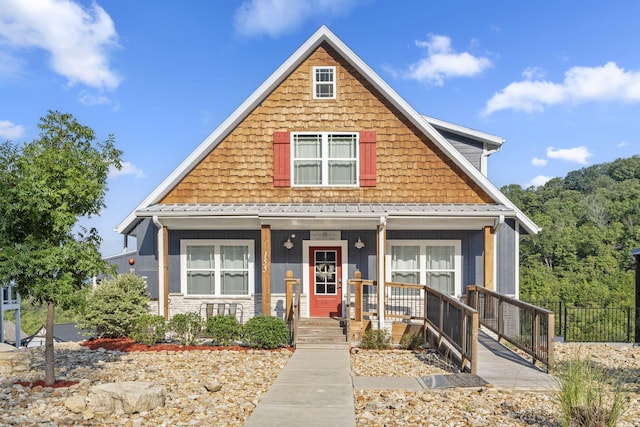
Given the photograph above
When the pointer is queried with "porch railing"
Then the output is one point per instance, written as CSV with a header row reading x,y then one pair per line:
x,y
526,326
452,325
292,303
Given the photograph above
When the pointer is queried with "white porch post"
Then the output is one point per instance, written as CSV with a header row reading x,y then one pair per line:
x,y
380,257
162,310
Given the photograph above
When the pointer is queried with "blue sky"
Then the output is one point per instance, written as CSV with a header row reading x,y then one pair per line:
x,y
560,81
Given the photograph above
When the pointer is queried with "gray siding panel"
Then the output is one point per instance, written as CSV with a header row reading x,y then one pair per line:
x,y
470,149
506,250
147,259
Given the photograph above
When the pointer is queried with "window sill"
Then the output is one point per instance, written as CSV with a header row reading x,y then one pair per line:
x,y
209,297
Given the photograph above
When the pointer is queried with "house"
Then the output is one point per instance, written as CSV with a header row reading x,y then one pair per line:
x,y
325,170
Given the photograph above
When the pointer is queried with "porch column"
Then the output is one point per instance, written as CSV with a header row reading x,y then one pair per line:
x,y
489,257
266,269
381,245
163,268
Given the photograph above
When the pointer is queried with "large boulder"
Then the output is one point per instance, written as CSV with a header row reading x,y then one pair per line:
x,y
13,361
128,396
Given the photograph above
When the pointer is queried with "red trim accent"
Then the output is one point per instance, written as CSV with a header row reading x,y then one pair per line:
x,y
368,158
282,159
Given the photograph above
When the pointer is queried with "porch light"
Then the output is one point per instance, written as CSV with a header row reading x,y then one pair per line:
x,y
359,244
288,244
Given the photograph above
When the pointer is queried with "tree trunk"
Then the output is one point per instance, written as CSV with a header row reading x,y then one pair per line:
x,y
49,374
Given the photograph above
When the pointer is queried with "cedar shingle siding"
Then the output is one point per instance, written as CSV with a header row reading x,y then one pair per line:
x,y
410,168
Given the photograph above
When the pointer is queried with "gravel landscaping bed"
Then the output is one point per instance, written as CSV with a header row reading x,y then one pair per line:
x,y
244,377
480,406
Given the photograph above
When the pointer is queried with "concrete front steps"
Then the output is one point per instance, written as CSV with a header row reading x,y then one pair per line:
x,y
316,332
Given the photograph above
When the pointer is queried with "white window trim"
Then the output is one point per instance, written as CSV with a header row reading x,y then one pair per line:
x,y
333,83
457,244
325,159
216,243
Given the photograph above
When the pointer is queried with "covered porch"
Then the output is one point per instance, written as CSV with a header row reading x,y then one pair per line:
x,y
362,236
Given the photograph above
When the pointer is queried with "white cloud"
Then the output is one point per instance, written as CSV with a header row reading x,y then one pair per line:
x,y
539,162
622,144
442,62
93,100
9,130
77,39
581,84
276,17
538,181
127,168
573,155
533,73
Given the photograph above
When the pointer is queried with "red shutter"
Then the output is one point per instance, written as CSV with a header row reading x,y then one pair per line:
x,y
368,158
281,159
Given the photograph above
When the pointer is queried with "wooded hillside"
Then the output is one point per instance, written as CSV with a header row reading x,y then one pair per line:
x,y
591,222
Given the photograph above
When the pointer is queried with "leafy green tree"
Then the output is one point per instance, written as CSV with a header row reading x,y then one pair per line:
x,y
46,186
590,223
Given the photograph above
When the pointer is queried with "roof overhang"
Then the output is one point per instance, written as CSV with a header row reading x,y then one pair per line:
x,y
327,216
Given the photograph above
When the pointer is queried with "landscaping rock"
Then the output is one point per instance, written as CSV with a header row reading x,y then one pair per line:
x,y
13,361
76,404
129,397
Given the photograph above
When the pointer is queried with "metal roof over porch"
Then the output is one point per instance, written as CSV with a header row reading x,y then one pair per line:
x,y
328,216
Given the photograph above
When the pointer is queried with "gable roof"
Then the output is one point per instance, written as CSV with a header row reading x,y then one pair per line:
x,y
322,35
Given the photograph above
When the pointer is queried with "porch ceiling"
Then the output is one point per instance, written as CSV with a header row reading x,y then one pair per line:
x,y
327,216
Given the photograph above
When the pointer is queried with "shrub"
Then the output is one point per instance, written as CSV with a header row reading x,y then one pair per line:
x,y
266,332
411,341
114,307
588,395
186,327
376,339
150,329
223,329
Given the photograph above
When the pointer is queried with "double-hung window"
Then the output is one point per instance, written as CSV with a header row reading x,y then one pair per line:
x,y
217,267
435,263
325,159
324,82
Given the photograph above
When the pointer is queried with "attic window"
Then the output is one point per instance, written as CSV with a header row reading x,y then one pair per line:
x,y
324,82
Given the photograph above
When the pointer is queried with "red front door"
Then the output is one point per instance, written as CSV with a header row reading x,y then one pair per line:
x,y
325,273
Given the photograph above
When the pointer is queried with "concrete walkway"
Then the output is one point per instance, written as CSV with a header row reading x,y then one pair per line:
x,y
314,389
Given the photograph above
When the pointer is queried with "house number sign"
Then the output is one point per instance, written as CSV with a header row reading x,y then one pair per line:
x,y
265,261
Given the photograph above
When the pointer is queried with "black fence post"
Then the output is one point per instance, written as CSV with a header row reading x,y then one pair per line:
x,y
629,324
564,323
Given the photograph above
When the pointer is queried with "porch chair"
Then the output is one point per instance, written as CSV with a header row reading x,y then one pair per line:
x,y
211,309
